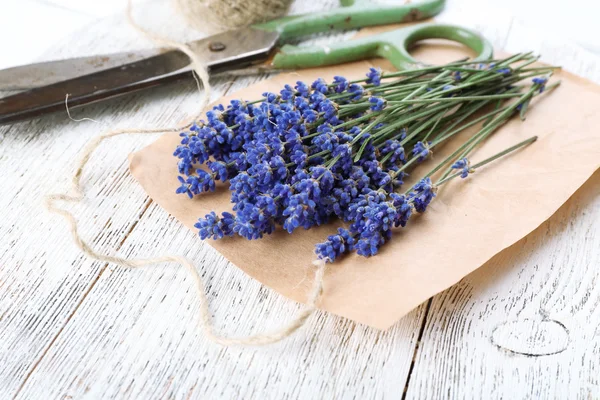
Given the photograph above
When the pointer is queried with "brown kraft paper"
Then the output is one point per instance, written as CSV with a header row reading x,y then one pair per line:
x,y
469,222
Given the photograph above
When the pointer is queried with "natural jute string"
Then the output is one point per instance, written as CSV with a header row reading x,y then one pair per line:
x,y
229,14
77,196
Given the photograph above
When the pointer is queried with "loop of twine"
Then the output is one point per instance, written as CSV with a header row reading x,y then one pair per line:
x,y
77,195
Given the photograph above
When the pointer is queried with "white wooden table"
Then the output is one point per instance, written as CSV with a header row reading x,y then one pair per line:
x,y
525,325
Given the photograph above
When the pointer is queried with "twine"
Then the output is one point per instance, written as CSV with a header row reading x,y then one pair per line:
x,y
77,196
229,14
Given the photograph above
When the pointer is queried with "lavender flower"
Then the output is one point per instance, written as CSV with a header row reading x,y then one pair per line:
x,y
422,194
320,86
341,84
302,89
377,103
464,165
403,208
211,226
374,76
395,149
541,81
300,157
335,246
421,150
357,92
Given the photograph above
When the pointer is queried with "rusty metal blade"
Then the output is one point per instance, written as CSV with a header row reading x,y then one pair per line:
x,y
229,50
49,72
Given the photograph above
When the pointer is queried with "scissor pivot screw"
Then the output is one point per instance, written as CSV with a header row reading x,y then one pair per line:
x,y
216,46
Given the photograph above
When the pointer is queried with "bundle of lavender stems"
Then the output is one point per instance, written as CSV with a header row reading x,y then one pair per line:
x,y
342,149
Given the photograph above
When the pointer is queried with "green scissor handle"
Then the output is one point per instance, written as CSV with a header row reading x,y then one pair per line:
x,y
392,45
353,14
357,14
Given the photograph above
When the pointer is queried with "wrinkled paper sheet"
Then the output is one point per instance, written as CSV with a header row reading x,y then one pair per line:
x,y
469,222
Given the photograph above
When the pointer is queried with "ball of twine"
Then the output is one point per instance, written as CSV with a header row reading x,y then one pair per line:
x,y
229,14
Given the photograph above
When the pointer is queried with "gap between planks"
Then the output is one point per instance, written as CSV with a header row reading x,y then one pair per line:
x,y
417,346
82,299
430,300
132,228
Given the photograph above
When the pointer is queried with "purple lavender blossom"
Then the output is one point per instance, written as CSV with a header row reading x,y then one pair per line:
x,y
396,150
464,165
377,103
422,194
421,150
335,246
541,81
212,226
305,155
374,76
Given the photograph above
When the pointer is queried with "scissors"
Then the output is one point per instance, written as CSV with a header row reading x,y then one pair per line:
x,y
90,79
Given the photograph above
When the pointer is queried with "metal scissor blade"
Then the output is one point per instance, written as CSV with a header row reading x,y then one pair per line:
x,y
91,88
229,50
49,72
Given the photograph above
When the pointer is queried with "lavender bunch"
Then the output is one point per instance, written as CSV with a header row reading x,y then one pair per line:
x,y
300,157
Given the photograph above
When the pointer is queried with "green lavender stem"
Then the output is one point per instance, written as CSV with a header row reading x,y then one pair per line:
x,y
472,146
490,159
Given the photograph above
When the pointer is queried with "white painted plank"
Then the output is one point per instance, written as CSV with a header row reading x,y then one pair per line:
x,y
43,276
75,327
70,327
136,336
98,9
29,28
526,34
525,326
575,20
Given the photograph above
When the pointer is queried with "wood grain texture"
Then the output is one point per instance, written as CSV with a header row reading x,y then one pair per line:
x,y
525,325
73,328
